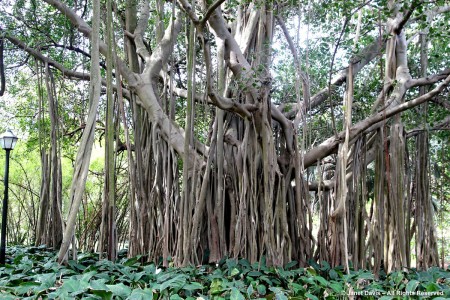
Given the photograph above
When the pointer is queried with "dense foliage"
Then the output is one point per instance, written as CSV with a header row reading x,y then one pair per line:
x,y
33,273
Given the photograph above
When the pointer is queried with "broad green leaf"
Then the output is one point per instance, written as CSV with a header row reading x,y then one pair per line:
x,y
412,285
236,294
322,280
132,261
266,279
281,296
231,263
193,286
311,296
234,272
137,276
250,290
333,274
174,283
87,276
103,294
99,284
397,277
245,263
291,264
296,288
254,273
76,266
119,289
72,285
139,294
432,287
311,271
25,287
325,266
216,286
336,287
367,275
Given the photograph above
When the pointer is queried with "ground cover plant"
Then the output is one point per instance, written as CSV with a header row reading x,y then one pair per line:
x,y
33,273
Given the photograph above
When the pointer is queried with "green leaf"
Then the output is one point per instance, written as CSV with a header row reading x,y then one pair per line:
x,y
336,287
105,295
119,290
87,276
261,289
325,266
321,280
99,284
25,287
46,280
311,271
245,263
432,287
72,285
281,296
132,261
174,283
297,288
291,264
193,286
234,272
76,266
250,290
266,279
310,296
412,285
139,294
397,277
216,286
254,273
8,297
333,274
231,263
236,294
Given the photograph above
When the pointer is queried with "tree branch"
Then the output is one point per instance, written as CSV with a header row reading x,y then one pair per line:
x,y
35,53
86,30
164,49
66,72
431,79
210,11
359,61
139,31
329,145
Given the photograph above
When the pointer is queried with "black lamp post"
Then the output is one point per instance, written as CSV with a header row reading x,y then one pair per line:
x,y
7,141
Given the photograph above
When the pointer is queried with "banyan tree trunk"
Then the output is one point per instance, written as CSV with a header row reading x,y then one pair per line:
x,y
426,244
50,226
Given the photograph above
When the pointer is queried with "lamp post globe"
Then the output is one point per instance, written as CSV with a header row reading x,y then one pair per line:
x,y
8,141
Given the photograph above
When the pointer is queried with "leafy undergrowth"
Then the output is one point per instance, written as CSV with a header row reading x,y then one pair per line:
x,y
32,273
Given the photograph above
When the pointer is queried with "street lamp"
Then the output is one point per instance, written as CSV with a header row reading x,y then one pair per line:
x,y
7,141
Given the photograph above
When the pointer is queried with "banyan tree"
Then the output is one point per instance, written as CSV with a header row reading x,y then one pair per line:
x,y
293,130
